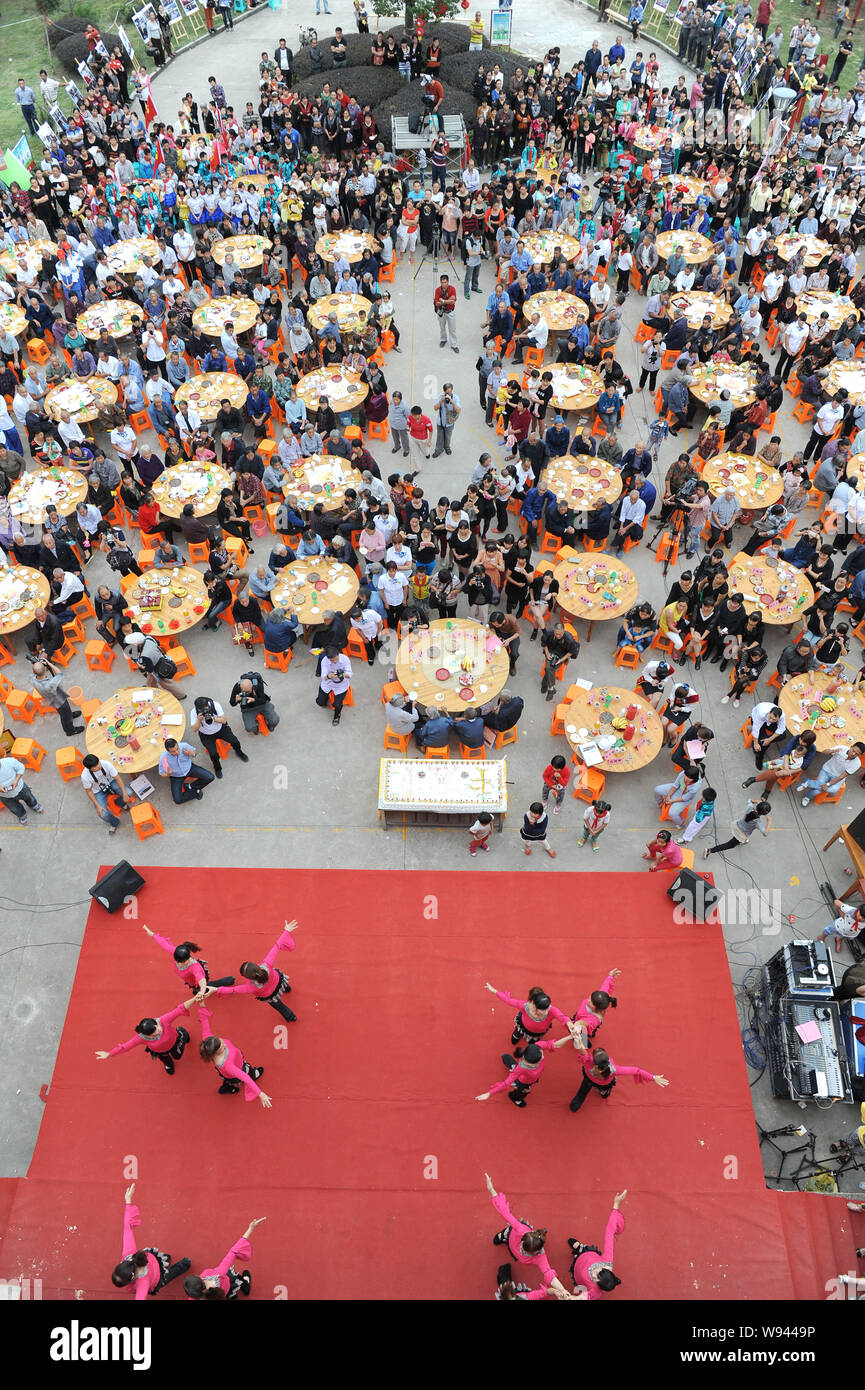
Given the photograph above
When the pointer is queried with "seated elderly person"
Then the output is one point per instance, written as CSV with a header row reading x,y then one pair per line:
x,y
435,731
261,581
279,630
400,714
469,728
503,715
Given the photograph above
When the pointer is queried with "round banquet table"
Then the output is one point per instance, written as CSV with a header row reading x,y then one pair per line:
x,y
574,387
127,257
711,378
336,587
850,375
813,303
208,389
83,397
584,483
344,390
560,311
695,248
165,582
16,611
756,484
151,734
696,304
12,319
248,251
654,137
544,247
816,250
312,477
114,314
596,588
684,188
351,311
190,482
799,698
750,573
856,467
444,646
34,252
592,711
33,493
212,316
351,245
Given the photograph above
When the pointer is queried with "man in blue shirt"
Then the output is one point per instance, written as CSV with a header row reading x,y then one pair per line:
x,y
500,321
26,99
436,732
188,779
557,438
214,361
617,52
469,728
522,260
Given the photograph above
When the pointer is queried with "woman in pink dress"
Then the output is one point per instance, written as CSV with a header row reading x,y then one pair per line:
x,y
600,1073
159,1037
525,1243
524,1071
536,1014
148,1269
192,972
263,981
592,1269
229,1061
590,1014
223,1281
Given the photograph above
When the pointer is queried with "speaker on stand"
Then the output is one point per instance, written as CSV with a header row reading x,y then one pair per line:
x,y
113,889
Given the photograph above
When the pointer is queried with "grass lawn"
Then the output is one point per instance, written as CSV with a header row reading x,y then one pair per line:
x,y
25,51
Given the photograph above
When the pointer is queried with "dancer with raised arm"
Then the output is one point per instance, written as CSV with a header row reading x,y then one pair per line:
x,y
600,1073
525,1243
159,1037
148,1269
191,971
228,1059
524,1068
264,981
536,1014
590,1014
592,1269
223,1281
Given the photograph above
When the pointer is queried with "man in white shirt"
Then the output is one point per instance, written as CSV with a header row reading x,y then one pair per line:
x,y
843,763
334,680
100,779
828,417
108,366
629,526
793,339
69,430
184,246
770,293
754,243
211,724
14,791
536,335
124,442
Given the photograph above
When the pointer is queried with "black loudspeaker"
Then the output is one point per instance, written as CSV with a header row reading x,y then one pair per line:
x,y
693,895
856,829
113,888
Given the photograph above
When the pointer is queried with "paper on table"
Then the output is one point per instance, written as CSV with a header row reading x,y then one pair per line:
x,y
590,754
808,1032
172,719
493,644
142,695
583,684
340,586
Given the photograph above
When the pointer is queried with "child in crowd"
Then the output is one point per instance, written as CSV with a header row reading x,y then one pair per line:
x,y
556,777
663,852
480,834
534,829
596,818
702,819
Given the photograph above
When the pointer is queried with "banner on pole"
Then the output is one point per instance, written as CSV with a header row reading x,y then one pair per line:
x,y
22,151
124,39
500,28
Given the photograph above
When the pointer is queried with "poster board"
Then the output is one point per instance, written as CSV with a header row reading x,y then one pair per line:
x,y
500,28
73,93
22,152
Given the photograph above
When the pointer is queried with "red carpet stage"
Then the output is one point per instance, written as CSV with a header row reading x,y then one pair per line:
x,y
375,1091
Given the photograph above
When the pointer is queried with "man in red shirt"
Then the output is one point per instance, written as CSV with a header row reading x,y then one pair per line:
x,y
445,303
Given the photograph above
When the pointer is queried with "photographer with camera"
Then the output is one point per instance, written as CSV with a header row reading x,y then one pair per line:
x,y
335,679
447,412
445,303
250,694
150,659
211,725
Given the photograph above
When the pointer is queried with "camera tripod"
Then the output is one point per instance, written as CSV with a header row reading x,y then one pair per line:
x,y
433,250
675,528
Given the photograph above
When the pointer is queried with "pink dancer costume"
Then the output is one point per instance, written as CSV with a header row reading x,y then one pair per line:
x,y
585,1268
168,1048
277,983
512,1236
193,972
585,1013
604,1085
521,1076
230,1281
235,1072
527,1028
160,1270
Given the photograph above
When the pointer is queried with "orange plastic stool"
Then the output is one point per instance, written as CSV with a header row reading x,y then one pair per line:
x,y
146,819
98,655
473,754
506,736
277,661
181,660
378,429
28,752
396,743
589,785
70,762
20,705
437,752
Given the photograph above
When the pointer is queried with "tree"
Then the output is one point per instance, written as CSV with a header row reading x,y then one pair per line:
x,y
431,10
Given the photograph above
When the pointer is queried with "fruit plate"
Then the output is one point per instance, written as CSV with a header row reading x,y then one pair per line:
x,y
443,674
